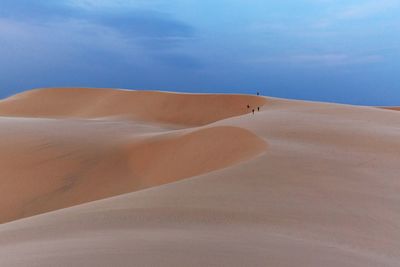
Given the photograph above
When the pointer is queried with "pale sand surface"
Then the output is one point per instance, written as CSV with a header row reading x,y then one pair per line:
x,y
297,184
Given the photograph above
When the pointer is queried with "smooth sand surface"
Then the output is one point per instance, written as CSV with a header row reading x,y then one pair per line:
x,y
297,184
48,164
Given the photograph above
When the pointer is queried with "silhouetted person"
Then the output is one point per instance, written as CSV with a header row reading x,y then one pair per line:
x,y
258,93
253,111
258,108
248,106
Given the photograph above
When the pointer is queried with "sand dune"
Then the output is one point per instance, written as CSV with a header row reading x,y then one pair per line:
x,y
392,108
171,108
297,184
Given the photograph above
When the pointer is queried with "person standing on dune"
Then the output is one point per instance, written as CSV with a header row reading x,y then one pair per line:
x,y
258,108
253,111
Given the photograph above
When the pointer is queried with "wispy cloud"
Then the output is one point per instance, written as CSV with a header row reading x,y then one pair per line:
x,y
334,59
319,59
357,11
367,9
136,22
158,34
112,4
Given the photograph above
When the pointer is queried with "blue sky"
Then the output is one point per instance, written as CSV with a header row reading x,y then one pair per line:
x,y
327,50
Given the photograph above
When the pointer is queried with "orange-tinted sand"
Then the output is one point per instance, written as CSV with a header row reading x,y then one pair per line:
x,y
297,184
48,164
149,106
392,108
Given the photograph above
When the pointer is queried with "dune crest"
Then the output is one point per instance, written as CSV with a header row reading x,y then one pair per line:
x,y
150,106
391,108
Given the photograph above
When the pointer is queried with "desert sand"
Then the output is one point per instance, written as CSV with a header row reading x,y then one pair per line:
x,y
392,108
103,177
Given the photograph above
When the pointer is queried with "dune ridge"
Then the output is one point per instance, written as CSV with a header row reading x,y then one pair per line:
x,y
149,106
391,108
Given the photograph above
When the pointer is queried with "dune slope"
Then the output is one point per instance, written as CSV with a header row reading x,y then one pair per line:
x,y
51,164
324,192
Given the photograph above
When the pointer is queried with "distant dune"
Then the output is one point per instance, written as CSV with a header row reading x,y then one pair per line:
x,y
392,108
136,178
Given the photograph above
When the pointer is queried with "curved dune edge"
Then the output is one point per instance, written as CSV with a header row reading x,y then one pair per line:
x,y
391,108
128,166
167,159
151,106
